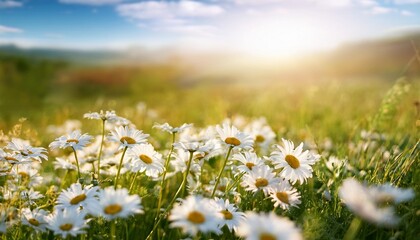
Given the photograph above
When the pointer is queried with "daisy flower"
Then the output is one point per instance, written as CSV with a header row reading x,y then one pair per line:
x,y
144,158
360,200
194,146
295,163
128,137
259,226
261,132
284,195
78,198
260,178
67,222
228,214
195,214
13,158
387,193
28,175
23,148
34,218
249,160
168,128
105,116
233,137
61,163
117,203
74,140
30,196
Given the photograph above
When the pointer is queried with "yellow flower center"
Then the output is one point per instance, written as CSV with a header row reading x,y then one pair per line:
x,y
72,141
23,175
226,214
33,221
232,141
250,165
146,159
261,182
66,227
196,217
267,236
259,139
221,188
78,199
282,196
127,140
292,161
113,209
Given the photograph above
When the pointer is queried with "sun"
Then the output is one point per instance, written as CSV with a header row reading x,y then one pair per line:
x,y
280,37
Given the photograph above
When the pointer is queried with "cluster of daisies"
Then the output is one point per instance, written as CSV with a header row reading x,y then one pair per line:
x,y
221,167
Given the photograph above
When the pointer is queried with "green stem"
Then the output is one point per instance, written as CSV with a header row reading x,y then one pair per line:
x,y
234,183
119,168
100,149
113,228
162,184
184,182
221,171
77,163
353,230
132,182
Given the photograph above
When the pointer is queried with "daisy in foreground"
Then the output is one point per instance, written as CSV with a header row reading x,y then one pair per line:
x,y
144,158
267,227
117,204
195,214
260,178
284,195
67,222
78,198
128,137
228,213
373,203
295,163
75,140
35,219
233,137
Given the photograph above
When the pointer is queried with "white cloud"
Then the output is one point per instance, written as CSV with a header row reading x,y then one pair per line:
x,y
256,2
406,1
381,10
177,17
10,4
5,29
333,3
368,3
91,2
157,9
406,13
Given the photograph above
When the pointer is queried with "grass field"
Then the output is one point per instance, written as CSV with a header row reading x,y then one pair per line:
x,y
359,128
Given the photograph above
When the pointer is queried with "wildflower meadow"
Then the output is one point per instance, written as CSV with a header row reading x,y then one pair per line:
x,y
127,173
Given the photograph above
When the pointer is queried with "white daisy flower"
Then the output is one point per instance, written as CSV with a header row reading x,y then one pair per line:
x,y
168,128
228,214
194,146
67,222
295,164
249,160
78,198
387,193
144,158
260,178
334,163
61,163
28,175
74,140
105,116
128,137
67,127
361,201
265,226
233,137
261,132
30,196
117,204
25,149
195,214
13,158
284,195
35,218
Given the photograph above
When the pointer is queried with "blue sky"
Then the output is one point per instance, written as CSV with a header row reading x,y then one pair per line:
x,y
256,26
